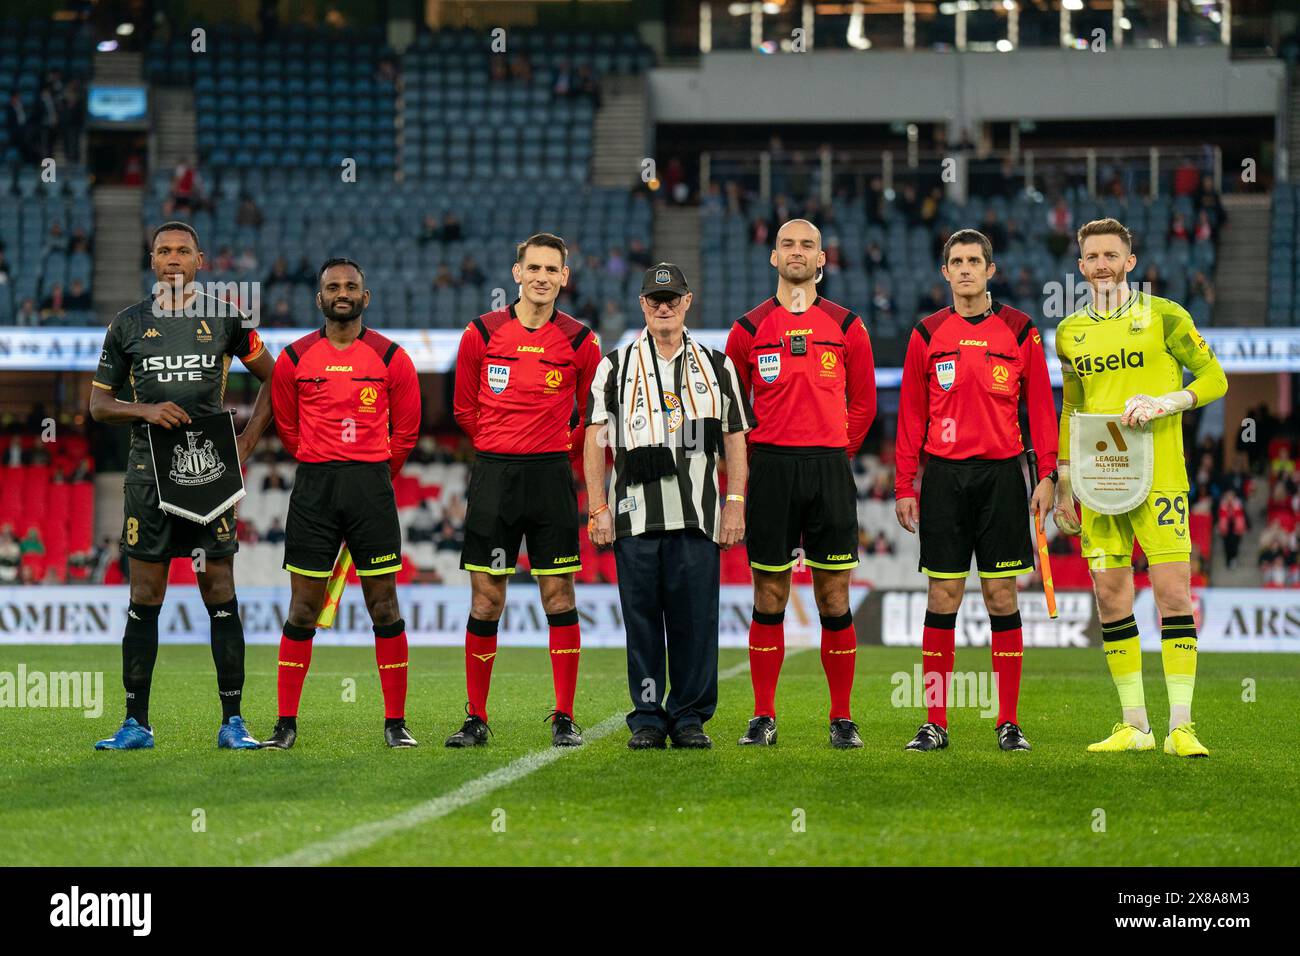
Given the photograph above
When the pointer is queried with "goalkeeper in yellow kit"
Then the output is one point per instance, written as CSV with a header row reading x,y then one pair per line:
x,y
1125,353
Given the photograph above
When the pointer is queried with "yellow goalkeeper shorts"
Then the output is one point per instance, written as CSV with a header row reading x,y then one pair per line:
x,y
1160,525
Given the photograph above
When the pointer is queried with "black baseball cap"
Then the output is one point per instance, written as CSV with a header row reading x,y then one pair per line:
x,y
664,278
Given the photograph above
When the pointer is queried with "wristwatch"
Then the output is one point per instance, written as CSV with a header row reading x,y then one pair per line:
x,y
1054,476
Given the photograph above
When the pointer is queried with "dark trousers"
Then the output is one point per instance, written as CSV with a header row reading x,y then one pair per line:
x,y
668,587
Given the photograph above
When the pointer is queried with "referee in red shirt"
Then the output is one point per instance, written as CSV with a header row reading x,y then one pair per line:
x,y
347,406
518,373
966,369
808,362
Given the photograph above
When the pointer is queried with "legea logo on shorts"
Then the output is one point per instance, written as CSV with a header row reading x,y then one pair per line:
x,y
498,378
769,367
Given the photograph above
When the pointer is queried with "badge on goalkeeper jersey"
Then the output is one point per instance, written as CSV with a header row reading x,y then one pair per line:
x,y
1111,464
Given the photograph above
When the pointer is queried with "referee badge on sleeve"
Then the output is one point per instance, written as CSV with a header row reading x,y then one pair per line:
x,y
498,378
945,373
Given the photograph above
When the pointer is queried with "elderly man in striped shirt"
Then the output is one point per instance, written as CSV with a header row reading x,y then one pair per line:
x,y
673,411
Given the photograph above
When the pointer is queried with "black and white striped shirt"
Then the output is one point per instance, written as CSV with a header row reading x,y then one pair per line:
x,y
690,498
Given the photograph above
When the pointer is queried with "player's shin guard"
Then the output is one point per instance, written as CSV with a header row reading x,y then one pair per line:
x,y
1124,658
839,655
295,658
766,653
392,656
938,638
565,645
228,655
1178,653
139,652
480,652
1008,653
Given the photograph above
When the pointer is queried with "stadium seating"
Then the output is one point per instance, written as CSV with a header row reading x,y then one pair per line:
x,y
41,225
737,269
379,224
1284,257
29,51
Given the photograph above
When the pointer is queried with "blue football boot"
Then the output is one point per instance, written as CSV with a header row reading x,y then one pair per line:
x,y
130,736
235,736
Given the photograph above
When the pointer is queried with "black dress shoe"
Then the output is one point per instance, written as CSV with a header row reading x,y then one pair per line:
x,y
691,737
648,738
760,733
398,736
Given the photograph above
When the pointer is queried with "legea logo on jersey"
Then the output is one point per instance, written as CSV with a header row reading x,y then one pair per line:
x,y
945,373
769,367
1086,365
179,368
498,378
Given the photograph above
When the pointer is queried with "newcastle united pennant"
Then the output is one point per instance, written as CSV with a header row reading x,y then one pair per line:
x,y
196,467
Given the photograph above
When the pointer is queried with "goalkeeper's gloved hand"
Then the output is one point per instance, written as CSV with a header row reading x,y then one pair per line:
x,y
1140,410
1067,519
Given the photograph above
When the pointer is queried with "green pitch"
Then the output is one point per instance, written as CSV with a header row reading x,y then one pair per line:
x,y
342,797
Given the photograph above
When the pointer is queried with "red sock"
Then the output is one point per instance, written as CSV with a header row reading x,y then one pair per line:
x,y
839,655
937,640
565,644
295,658
1008,655
392,656
480,652
766,652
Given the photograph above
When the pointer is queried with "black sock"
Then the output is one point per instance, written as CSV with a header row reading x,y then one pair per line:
x,y
139,652
228,655
393,722
288,721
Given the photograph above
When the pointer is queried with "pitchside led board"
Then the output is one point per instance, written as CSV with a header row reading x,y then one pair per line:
x,y
196,467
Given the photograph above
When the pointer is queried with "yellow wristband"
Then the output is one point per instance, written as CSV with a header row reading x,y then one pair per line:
x,y
740,498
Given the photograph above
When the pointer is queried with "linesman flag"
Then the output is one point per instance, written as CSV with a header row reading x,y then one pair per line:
x,y
334,589
1040,539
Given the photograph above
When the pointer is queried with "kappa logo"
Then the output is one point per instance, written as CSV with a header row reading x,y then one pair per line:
x,y
829,361
498,378
945,373
769,367
222,614
369,395
152,334
553,378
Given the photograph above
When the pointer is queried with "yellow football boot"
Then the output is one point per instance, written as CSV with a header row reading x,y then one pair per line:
x,y
1182,742
1125,737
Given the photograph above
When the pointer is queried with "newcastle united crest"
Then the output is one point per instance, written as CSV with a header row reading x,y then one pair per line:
x,y
192,465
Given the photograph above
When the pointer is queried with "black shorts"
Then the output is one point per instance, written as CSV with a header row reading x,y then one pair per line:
x,y
151,534
333,502
801,498
976,505
513,497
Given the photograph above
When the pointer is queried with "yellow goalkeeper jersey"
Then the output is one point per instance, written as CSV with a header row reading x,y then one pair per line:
x,y
1141,348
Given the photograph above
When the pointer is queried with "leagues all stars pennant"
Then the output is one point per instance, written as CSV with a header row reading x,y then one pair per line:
x,y
1112,465
196,467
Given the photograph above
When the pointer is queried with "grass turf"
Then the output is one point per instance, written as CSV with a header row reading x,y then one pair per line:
x,y
800,803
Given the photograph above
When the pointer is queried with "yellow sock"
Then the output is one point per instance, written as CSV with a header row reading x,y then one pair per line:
x,y
1178,653
1124,658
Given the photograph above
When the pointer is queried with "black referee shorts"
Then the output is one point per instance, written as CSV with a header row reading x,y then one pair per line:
x,y
513,497
974,505
801,498
342,501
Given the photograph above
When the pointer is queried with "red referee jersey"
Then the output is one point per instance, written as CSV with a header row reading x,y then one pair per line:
x,y
361,403
517,388
960,396
811,373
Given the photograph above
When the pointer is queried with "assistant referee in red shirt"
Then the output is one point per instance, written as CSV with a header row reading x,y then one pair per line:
x,y
347,406
966,369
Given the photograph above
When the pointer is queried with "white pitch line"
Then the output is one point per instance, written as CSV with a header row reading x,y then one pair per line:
x,y
368,834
